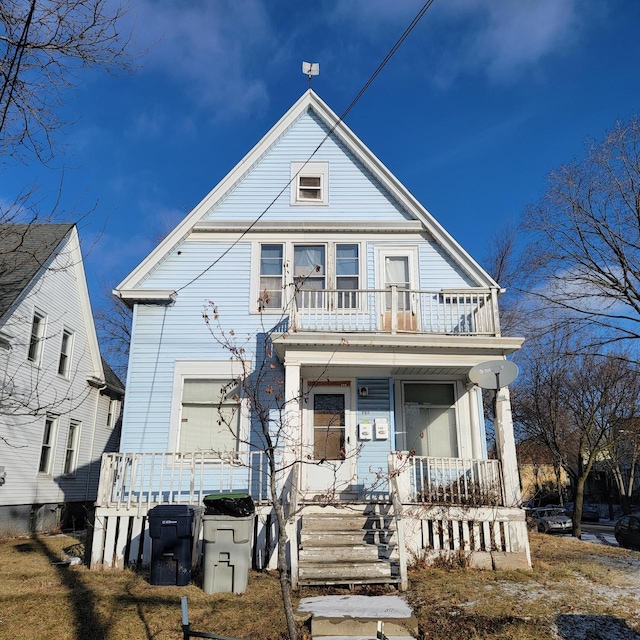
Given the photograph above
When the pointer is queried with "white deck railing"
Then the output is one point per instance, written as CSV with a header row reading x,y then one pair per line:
x,y
394,310
453,481
145,479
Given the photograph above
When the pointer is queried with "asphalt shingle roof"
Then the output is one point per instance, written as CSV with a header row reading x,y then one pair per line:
x,y
24,249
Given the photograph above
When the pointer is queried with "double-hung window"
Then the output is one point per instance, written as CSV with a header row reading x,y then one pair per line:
x,y
271,276
36,338
112,412
71,453
314,270
210,416
347,275
48,442
65,353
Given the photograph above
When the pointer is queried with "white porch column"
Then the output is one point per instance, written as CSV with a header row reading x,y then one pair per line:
x,y
476,415
292,414
506,446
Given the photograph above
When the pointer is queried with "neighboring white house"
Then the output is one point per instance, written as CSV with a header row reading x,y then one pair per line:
x,y
370,317
60,404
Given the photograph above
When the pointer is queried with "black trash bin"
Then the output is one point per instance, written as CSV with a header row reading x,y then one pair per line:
x,y
172,532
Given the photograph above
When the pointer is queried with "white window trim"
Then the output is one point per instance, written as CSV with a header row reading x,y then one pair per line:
x,y
37,361
212,369
287,261
69,354
309,169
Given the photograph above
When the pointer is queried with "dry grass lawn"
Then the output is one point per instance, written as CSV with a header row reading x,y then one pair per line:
x,y
576,590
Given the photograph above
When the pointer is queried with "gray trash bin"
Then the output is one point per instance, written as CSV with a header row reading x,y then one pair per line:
x,y
227,534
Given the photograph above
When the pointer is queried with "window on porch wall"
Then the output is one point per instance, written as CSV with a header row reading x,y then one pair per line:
x,y
309,273
430,419
210,418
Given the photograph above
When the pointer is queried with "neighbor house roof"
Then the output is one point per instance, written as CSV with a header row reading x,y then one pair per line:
x,y
24,250
112,380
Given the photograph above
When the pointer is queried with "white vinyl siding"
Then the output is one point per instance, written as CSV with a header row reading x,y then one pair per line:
x,y
210,417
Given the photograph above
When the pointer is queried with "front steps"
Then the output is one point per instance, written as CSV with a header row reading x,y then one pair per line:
x,y
355,544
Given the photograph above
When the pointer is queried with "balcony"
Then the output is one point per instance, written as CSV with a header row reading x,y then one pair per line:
x,y
469,312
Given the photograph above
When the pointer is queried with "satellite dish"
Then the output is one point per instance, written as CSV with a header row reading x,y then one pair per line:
x,y
494,374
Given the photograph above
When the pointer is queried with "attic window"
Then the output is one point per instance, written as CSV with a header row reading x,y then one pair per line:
x,y
309,185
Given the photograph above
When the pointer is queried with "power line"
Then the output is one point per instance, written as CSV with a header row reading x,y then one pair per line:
x,y
367,84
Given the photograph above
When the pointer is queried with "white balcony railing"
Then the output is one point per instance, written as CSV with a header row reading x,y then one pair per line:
x,y
454,481
142,480
395,310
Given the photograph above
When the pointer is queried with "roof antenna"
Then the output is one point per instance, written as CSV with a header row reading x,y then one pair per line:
x,y
311,69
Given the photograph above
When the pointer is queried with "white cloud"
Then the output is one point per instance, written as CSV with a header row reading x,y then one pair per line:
x,y
209,50
506,39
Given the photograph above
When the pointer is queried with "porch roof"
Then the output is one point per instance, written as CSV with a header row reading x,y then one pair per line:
x,y
410,352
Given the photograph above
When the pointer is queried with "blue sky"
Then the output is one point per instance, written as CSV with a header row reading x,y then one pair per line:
x,y
480,103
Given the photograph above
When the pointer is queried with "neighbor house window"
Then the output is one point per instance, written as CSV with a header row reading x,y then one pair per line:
x,y
309,272
48,441
210,416
309,182
112,413
271,275
37,337
65,353
71,453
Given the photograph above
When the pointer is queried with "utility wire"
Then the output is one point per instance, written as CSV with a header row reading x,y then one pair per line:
x,y
367,84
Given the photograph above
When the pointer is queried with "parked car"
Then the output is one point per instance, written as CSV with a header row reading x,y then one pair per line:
x,y
590,513
550,520
627,532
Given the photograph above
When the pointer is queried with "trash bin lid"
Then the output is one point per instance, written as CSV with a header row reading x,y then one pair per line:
x,y
236,505
170,511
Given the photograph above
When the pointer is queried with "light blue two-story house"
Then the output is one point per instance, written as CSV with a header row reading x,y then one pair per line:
x,y
311,269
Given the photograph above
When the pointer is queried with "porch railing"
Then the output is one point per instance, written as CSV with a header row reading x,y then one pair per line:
x,y
142,480
453,481
472,311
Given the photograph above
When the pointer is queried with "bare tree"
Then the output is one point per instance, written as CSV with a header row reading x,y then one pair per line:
x,y
623,458
274,434
575,405
583,244
44,44
113,326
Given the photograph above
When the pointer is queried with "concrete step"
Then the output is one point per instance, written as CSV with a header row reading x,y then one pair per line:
x,y
357,617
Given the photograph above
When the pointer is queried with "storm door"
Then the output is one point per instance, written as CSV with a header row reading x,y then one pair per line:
x,y
330,458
